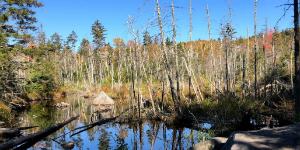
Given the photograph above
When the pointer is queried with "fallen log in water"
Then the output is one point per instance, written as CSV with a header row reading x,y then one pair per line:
x,y
11,132
29,140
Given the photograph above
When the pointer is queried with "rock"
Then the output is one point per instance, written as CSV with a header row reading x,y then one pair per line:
x,y
68,145
213,144
62,105
41,145
287,137
103,99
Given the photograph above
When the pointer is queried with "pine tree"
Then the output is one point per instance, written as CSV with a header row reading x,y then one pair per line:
x,y
41,38
98,32
71,40
147,38
55,41
16,17
84,47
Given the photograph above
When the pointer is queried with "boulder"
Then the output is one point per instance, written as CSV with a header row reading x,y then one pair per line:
x,y
213,144
103,99
281,138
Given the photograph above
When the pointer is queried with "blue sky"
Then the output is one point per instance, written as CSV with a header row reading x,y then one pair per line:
x,y
63,16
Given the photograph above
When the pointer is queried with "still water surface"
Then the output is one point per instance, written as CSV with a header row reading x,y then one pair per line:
x,y
138,136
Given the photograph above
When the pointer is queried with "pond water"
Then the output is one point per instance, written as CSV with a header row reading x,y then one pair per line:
x,y
138,136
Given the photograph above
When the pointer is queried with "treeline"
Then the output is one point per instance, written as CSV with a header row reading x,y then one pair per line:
x,y
210,67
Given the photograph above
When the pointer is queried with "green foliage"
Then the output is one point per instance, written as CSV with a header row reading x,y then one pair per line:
x,y
98,32
55,42
41,83
226,110
40,87
228,31
17,16
84,48
147,38
71,40
205,135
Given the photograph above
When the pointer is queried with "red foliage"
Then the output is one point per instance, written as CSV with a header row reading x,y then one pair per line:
x,y
267,45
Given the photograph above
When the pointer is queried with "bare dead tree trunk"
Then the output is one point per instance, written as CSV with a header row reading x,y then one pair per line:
x,y
265,63
211,48
226,68
190,48
150,88
244,68
176,50
166,60
132,80
162,93
297,60
255,51
291,69
91,67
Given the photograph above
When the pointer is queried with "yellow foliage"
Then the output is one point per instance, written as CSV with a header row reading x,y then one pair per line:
x,y
3,107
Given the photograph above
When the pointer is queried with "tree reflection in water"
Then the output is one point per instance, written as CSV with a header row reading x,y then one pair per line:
x,y
139,135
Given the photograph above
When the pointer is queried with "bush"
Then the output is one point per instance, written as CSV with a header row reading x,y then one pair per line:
x,y
5,112
40,87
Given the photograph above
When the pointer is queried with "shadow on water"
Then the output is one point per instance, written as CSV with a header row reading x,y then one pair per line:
x,y
139,135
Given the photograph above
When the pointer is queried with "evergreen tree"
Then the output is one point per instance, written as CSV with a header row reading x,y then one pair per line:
x,y
41,38
147,38
84,47
56,41
98,32
168,41
71,40
16,17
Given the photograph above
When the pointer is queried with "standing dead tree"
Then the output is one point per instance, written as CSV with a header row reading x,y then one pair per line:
x,y
297,60
166,61
190,48
175,49
213,55
227,33
255,50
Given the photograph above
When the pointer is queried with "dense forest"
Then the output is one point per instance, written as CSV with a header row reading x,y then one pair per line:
x,y
224,79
